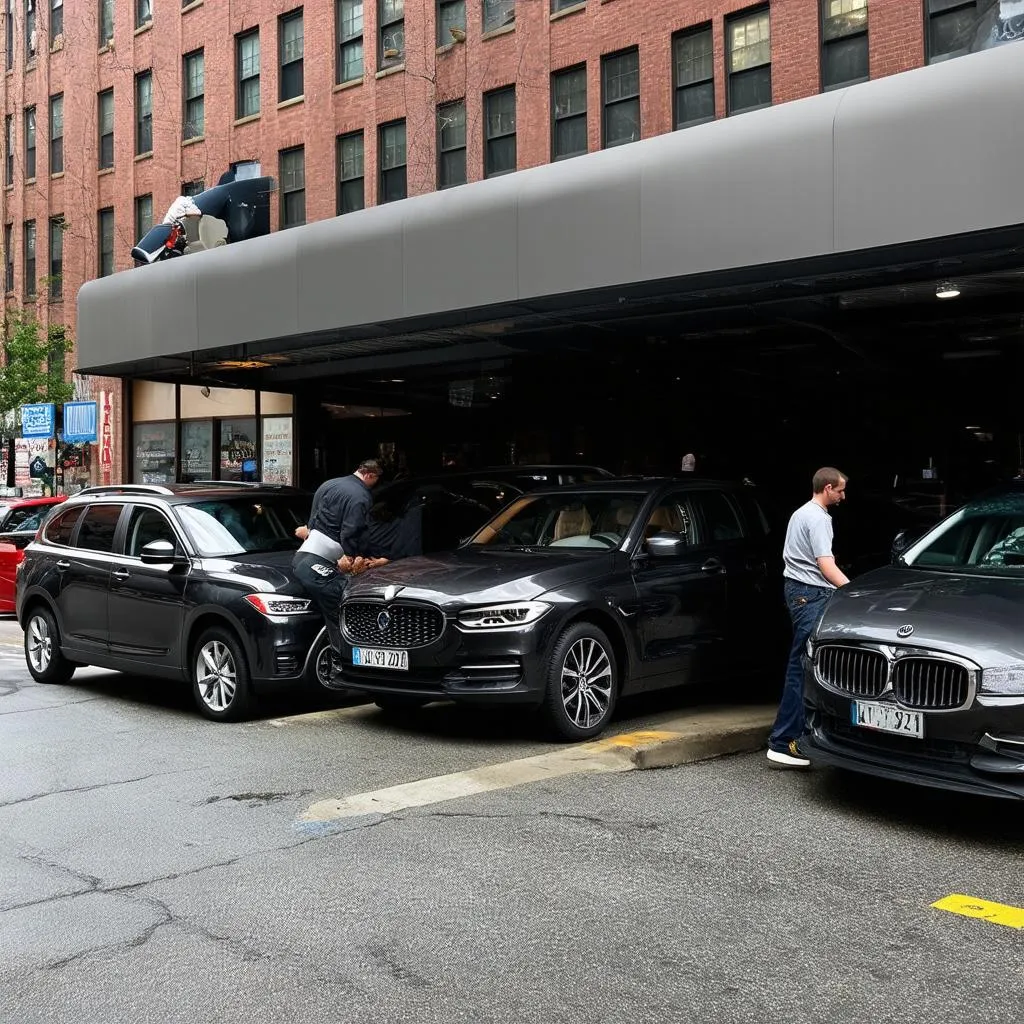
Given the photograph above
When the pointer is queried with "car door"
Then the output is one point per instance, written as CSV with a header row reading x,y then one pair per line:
x,y
85,577
682,597
147,601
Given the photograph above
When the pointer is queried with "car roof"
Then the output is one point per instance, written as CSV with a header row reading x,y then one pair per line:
x,y
183,493
40,500
641,485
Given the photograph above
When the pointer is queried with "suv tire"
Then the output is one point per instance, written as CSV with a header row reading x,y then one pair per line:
x,y
582,683
46,663
220,675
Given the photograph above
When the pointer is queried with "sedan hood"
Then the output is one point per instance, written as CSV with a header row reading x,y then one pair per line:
x,y
475,577
264,571
977,617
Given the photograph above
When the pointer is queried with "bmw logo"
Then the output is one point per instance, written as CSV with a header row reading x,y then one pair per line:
x,y
903,632
384,620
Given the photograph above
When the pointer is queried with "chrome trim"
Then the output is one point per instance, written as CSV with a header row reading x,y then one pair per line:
x,y
990,742
487,668
893,654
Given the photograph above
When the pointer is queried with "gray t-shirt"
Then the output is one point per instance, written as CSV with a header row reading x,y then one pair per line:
x,y
808,538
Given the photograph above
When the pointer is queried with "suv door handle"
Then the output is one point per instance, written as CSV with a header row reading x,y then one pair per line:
x,y
712,565
121,574
62,565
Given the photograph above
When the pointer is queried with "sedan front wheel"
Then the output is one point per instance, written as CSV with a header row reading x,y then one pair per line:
x,y
582,683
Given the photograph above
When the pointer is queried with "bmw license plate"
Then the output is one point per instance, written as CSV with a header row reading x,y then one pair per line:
x,y
379,657
887,718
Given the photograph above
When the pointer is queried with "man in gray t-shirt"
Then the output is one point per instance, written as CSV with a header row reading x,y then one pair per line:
x,y
810,577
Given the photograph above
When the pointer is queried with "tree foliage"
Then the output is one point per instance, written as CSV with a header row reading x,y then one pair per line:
x,y
34,362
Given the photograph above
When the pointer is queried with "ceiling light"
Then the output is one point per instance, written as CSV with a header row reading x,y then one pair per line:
x,y
946,290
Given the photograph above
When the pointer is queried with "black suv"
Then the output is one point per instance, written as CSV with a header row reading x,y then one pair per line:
x,y
176,581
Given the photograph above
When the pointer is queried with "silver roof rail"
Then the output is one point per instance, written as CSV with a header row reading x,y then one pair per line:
x,y
125,489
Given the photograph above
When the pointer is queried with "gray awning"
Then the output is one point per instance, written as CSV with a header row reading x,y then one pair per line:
x,y
931,153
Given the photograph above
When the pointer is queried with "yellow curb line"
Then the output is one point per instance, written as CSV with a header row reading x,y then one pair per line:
x,y
983,910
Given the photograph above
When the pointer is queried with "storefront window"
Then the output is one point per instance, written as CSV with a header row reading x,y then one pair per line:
x,y
277,450
238,450
196,450
153,450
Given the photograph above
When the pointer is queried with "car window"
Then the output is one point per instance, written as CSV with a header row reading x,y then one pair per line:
x,y
99,524
232,526
719,514
30,521
59,530
671,515
18,516
146,525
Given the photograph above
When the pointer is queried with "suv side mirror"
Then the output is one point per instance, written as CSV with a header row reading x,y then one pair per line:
x,y
666,545
161,552
901,542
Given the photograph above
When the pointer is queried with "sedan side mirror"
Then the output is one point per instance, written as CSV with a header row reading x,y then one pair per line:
x,y
666,545
162,552
903,540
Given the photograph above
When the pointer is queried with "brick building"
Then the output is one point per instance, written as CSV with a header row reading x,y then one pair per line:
x,y
114,107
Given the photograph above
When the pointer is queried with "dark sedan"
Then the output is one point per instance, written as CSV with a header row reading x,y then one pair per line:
x,y
916,671
568,599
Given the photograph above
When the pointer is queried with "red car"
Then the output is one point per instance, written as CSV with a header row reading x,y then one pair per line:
x,y
19,520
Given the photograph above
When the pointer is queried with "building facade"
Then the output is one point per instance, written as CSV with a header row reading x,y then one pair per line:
x,y
115,107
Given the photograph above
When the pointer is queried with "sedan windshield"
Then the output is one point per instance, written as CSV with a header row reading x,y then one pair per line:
x,y
595,521
986,536
233,526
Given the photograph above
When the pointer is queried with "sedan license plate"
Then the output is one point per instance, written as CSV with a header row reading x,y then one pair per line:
x,y
379,657
887,718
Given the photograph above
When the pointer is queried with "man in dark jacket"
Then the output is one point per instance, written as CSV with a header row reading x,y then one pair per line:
x,y
337,534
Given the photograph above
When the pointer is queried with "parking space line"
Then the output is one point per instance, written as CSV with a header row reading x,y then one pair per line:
x,y
984,910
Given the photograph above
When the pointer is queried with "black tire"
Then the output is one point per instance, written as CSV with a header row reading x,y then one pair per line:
x,y
46,663
318,677
220,676
400,704
572,712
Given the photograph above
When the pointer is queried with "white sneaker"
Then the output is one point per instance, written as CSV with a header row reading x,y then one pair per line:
x,y
792,758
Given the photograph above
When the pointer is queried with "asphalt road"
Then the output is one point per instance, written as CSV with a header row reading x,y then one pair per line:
x,y
156,867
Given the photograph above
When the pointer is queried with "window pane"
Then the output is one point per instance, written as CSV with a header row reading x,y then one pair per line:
x,y
749,41
293,170
393,148
350,19
501,113
498,13
694,58
106,112
292,32
197,450
501,155
453,168
750,89
57,117
99,524
571,93
352,196
450,15
352,61
392,41
237,447
194,75
622,123
621,77
249,56
695,103
393,185
571,137
845,60
250,97
844,17
352,157
291,81
951,31
452,125
391,10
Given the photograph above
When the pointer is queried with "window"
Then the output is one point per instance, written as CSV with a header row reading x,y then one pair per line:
x,y
671,515
146,525
720,519
60,529
246,169
143,215
951,27
562,5
193,188
569,112
247,49
106,122
154,453
31,39
620,93
143,113
9,155
694,67
30,259
749,54
8,257
451,21
106,233
57,134
143,12
57,256
844,42
194,113
56,19
106,21
351,189
30,143
391,156
99,524
498,13
290,35
500,132
293,187
350,40
9,33
390,33
451,144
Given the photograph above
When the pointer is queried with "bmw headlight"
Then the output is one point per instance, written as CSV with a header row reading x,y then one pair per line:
x,y
1007,681
501,616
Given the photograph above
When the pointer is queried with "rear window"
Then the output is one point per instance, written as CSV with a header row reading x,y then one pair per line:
x,y
98,528
62,526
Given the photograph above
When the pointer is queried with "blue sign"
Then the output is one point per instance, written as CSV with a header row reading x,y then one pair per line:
x,y
80,422
38,420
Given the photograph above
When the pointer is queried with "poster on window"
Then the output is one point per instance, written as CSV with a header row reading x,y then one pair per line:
x,y
277,450
197,451
33,466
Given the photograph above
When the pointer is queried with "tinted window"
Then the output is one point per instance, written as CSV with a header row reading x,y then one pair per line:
x,y
144,526
720,519
18,516
99,524
233,526
30,520
60,529
670,515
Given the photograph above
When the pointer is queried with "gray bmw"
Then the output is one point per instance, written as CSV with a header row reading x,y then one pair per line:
x,y
916,671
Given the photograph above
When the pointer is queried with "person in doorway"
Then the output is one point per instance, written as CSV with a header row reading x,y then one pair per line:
x,y
810,577
336,536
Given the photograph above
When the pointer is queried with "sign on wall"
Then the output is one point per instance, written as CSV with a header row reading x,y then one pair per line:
x,y
81,422
38,420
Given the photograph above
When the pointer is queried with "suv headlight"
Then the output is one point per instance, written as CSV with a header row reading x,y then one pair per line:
x,y
273,605
1007,681
501,616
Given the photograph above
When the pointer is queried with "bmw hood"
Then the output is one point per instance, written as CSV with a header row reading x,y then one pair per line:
x,y
976,617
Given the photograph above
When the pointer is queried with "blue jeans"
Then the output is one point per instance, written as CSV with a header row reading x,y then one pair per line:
x,y
805,605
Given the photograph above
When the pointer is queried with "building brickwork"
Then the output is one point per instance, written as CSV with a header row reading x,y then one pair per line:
x,y
78,64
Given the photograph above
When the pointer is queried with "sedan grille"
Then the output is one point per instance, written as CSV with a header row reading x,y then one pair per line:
x,y
392,625
858,672
930,683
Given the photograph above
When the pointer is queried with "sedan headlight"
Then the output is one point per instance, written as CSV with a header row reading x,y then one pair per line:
x,y
500,616
1007,681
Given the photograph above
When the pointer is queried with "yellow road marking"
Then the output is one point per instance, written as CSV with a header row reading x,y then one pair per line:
x,y
985,910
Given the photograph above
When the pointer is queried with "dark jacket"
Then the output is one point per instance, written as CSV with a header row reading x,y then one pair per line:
x,y
341,506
